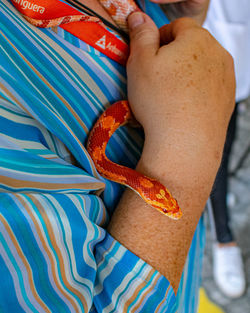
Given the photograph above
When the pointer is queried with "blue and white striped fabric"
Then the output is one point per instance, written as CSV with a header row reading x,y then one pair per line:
x,y
55,254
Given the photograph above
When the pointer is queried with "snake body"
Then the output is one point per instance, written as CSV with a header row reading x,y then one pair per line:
x,y
62,20
150,190
119,10
118,114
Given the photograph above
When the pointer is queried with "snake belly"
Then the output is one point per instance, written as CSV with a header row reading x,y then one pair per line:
x,y
149,189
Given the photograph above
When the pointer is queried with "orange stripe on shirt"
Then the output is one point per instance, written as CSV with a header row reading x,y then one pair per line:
x,y
26,265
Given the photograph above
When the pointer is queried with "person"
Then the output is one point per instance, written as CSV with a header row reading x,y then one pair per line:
x,y
62,249
228,21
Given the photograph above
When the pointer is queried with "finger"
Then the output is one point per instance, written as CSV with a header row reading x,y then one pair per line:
x,y
172,31
144,34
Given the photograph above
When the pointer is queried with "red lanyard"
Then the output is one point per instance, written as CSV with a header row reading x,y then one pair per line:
x,y
47,13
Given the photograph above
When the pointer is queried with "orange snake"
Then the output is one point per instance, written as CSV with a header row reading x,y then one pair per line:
x,y
118,114
150,190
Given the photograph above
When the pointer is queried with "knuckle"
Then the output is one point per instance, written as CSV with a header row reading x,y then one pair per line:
x,y
229,59
186,22
205,32
139,34
203,35
230,68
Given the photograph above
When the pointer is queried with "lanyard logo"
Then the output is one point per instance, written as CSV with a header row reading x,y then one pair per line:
x,y
102,42
111,47
27,5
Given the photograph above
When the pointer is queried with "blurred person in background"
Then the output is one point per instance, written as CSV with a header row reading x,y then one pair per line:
x,y
229,22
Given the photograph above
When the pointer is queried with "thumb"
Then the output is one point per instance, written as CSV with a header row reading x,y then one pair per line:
x,y
144,34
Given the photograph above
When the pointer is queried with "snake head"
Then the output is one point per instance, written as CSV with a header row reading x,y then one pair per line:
x,y
169,208
157,195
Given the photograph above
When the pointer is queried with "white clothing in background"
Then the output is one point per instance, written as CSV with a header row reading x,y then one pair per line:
x,y
229,22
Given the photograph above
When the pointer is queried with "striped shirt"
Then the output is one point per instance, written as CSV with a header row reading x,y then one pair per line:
x,y
55,253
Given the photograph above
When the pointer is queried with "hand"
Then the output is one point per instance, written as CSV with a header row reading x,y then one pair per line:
x,y
197,9
182,93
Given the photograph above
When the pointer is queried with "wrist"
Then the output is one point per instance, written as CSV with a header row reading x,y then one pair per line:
x,y
186,167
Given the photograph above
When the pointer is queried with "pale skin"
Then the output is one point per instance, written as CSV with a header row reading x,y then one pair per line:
x,y
184,79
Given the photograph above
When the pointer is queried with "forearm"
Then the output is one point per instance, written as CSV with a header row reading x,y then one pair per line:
x,y
160,241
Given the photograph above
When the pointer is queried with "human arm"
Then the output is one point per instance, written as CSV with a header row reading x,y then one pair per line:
x,y
191,84
196,9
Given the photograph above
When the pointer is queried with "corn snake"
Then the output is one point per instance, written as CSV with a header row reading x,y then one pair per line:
x,y
118,114
150,190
